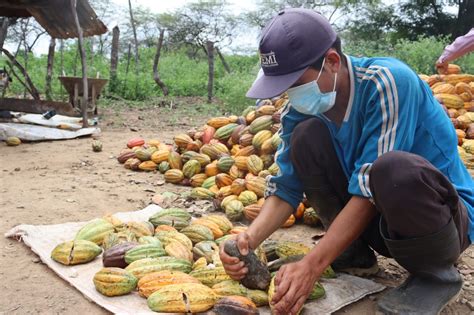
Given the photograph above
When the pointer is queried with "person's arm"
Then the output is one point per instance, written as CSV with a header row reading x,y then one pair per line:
x,y
461,46
295,281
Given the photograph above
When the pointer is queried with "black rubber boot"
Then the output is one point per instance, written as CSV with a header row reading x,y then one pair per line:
x,y
358,259
433,280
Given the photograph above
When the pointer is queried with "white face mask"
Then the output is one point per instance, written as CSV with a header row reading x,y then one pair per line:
x,y
308,98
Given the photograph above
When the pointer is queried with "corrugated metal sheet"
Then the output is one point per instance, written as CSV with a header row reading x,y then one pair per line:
x,y
55,16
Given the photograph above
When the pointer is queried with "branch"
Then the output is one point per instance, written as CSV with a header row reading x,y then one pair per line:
x,y
34,92
12,71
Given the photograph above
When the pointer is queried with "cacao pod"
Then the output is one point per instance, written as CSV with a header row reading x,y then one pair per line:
x,y
164,167
146,266
75,252
141,228
144,251
182,140
197,180
224,224
166,237
202,193
261,123
234,210
210,276
95,231
182,298
125,155
224,132
237,305
198,233
257,185
174,176
160,156
132,164
254,164
228,288
218,122
205,249
179,250
175,160
191,168
135,142
215,229
260,138
154,281
114,282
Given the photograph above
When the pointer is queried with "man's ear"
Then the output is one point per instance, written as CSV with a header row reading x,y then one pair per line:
x,y
333,60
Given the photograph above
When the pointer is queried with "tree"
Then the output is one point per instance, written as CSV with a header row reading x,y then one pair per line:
x,y
333,10
206,25
113,84
412,19
49,68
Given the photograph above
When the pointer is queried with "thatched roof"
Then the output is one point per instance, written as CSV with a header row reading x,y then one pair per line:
x,y
55,16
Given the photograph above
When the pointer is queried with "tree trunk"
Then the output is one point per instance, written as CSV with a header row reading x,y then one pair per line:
x,y
224,62
75,59
4,23
465,18
49,69
132,22
210,59
25,58
85,96
61,62
114,59
156,75
129,56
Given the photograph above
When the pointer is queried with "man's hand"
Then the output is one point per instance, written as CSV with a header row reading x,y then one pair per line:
x,y
293,284
442,67
233,266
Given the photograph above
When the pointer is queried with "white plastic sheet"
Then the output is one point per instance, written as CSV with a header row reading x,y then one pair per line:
x,y
39,133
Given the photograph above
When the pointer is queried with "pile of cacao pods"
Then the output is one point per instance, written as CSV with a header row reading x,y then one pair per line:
x,y
227,160
455,91
173,260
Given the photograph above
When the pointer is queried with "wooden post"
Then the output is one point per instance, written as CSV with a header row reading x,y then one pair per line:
x,y
49,68
114,60
210,59
85,97
4,23
156,75
61,62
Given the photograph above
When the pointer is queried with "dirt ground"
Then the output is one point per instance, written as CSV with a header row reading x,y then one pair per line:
x,y
62,181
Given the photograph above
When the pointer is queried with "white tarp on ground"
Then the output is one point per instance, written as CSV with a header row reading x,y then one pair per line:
x,y
56,121
39,133
342,291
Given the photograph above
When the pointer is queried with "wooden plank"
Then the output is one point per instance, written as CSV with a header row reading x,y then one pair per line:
x,y
37,107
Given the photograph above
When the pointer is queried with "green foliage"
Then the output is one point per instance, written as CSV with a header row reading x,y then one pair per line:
x,y
186,76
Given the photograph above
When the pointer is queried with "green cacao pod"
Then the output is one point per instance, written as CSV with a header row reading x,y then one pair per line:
x,y
224,132
175,160
310,217
202,193
228,288
234,210
144,251
248,197
191,168
254,164
145,266
143,155
288,248
260,138
150,240
205,249
114,282
95,231
75,252
163,167
261,123
225,163
259,297
210,276
198,233
209,182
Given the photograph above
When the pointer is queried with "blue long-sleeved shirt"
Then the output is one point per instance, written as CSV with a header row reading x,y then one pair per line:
x,y
389,108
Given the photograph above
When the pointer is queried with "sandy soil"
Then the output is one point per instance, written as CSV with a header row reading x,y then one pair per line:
x,y
54,182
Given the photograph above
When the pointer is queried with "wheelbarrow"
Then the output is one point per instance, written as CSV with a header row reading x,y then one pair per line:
x,y
75,89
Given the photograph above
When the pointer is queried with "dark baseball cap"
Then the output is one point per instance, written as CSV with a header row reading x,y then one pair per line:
x,y
291,42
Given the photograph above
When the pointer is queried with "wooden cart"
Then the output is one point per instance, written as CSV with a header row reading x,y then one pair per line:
x,y
75,89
